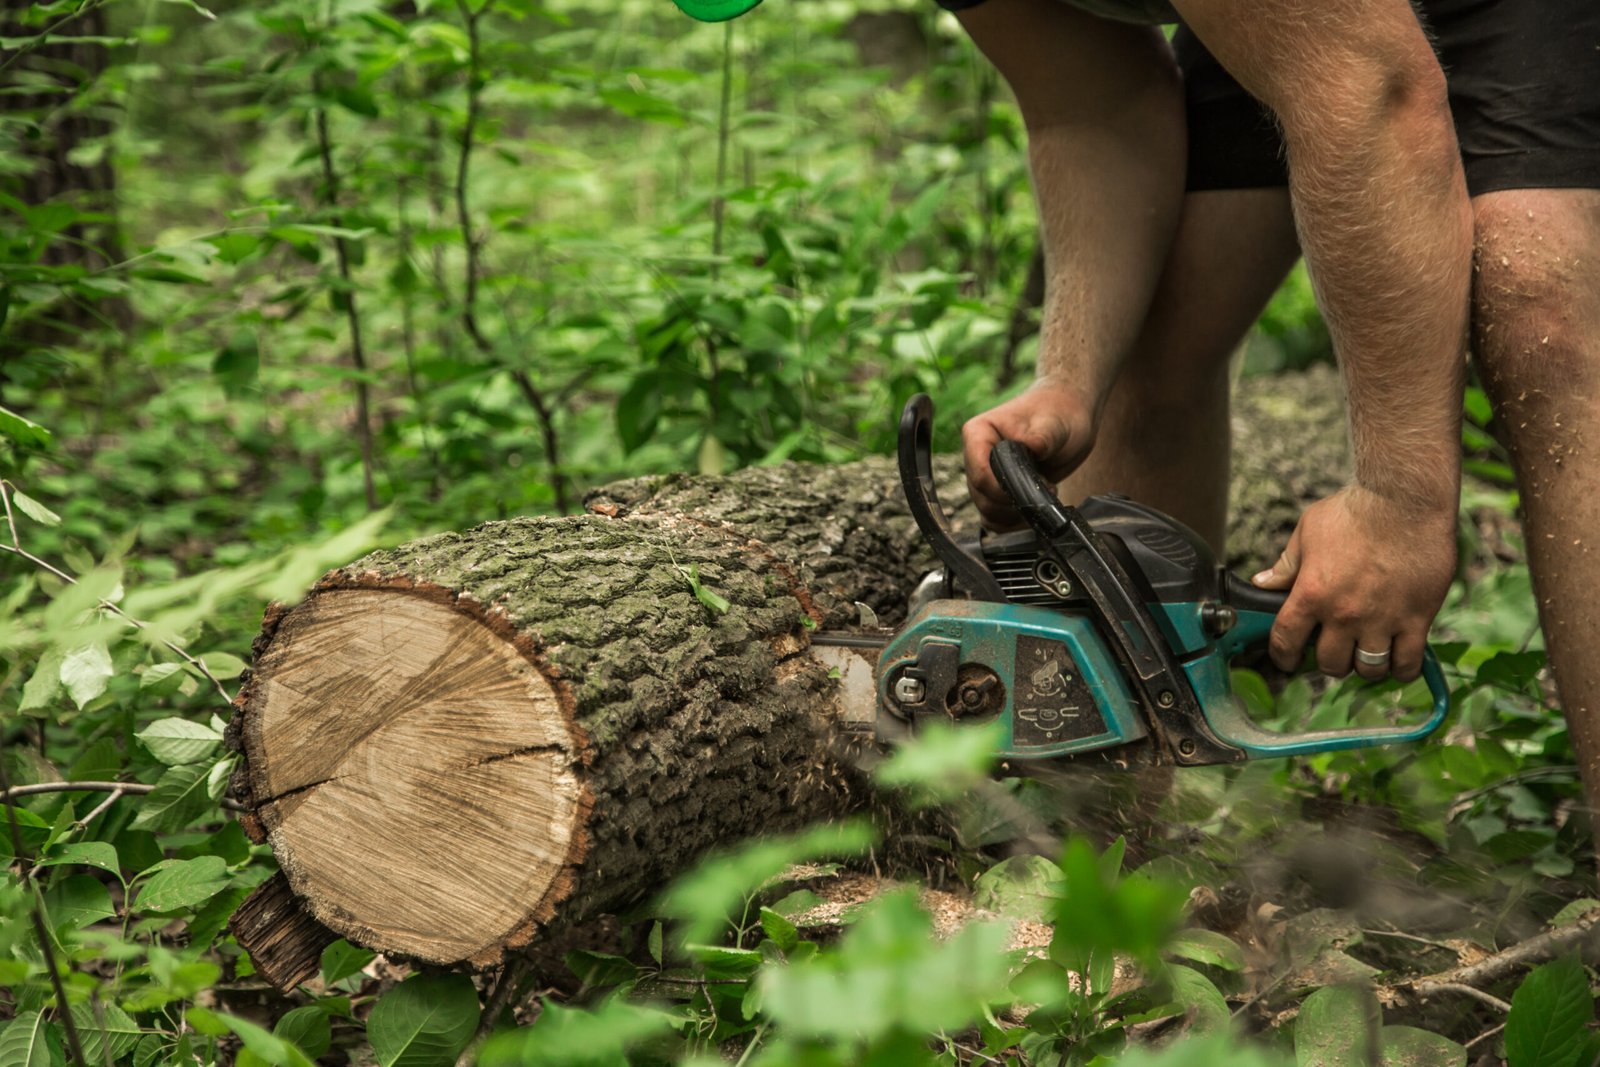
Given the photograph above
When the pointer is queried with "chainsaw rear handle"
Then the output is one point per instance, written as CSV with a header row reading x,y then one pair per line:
x,y
1256,612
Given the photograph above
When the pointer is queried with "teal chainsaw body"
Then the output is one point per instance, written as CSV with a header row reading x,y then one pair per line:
x,y
1099,627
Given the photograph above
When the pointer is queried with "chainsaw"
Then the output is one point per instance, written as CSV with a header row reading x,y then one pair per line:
x,y
1108,628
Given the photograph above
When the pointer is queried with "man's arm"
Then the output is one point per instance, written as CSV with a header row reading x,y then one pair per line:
x,y
1103,107
1386,227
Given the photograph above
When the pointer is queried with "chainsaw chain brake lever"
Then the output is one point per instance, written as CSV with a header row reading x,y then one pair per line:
x,y
916,479
1162,687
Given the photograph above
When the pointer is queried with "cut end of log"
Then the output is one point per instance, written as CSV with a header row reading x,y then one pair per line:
x,y
416,767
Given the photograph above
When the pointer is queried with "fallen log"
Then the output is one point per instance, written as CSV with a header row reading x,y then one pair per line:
x,y
458,743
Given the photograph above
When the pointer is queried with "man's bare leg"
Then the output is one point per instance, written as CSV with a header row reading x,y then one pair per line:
x,y
1164,434
1536,334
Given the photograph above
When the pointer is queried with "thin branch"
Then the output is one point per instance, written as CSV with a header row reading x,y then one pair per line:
x,y
36,912
16,549
43,37
100,808
724,129
11,519
128,788
1468,991
1581,933
1528,774
755,1039
408,340
499,998
358,353
473,246
1401,934
1485,1035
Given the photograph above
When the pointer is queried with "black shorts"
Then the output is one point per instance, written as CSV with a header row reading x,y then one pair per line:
x,y
1524,79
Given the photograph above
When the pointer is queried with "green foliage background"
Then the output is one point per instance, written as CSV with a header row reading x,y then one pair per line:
x,y
371,270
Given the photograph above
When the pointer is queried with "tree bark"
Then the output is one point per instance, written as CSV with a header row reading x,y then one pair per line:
x,y
459,744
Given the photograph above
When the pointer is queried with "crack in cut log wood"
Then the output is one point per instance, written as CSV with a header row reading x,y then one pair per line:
x,y
460,742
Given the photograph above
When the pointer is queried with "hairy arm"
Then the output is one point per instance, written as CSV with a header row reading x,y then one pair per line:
x,y
1103,109
1386,227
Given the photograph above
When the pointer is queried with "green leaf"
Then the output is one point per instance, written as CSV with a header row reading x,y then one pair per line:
x,y
342,959
30,1041
1337,1027
223,665
1207,1007
179,798
164,678
1022,887
1406,1046
600,968
704,897
307,1028
85,672
99,854
238,365
1573,911
782,932
45,682
176,741
1214,1051
270,1047
638,410
424,1021
889,973
174,885
1209,947
108,1033
1550,1013
76,902
944,761
714,603
25,432
571,1037
34,510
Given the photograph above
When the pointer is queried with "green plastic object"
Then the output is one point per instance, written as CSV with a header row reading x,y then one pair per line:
x,y
715,10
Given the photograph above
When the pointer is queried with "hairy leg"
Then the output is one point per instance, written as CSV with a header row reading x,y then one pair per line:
x,y
1164,435
1536,335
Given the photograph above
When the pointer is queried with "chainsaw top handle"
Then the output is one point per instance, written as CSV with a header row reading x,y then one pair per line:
x,y
1255,611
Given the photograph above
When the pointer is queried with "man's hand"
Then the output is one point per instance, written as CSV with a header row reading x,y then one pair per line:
x,y
1372,573
1052,420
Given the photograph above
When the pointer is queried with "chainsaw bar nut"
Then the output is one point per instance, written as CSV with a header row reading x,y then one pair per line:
x,y
910,691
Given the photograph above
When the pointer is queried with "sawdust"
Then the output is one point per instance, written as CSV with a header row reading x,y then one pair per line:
x,y
846,893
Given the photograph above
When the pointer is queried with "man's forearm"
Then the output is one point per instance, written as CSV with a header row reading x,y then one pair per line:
x,y
1103,106
1108,204
1387,233
1383,214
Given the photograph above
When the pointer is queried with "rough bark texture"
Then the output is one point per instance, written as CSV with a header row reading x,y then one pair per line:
x,y
1290,449
443,683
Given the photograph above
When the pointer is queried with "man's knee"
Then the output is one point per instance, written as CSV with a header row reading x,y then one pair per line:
x,y
1536,324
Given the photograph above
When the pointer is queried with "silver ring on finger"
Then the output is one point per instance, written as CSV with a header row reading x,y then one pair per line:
x,y
1372,659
